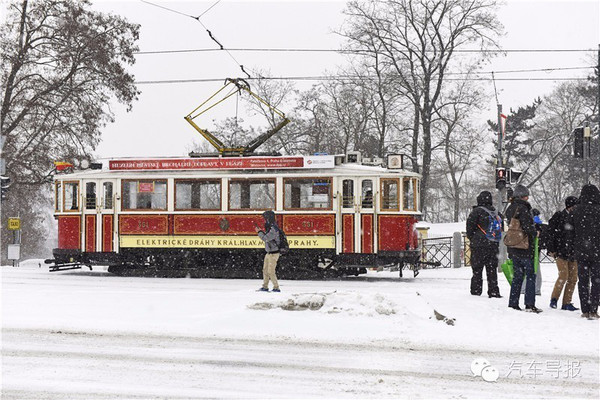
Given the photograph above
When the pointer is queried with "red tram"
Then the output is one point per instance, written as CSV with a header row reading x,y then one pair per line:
x,y
195,216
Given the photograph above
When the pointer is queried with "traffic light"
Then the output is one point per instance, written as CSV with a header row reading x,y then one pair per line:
x,y
500,178
4,185
578,142
512,176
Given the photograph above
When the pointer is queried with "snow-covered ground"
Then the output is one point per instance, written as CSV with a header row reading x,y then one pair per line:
x,y
91,335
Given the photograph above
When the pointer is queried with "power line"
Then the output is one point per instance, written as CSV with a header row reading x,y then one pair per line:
x,y
330,78
313,50
210,34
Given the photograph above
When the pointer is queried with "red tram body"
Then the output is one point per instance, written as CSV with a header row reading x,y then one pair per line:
x,y
195,216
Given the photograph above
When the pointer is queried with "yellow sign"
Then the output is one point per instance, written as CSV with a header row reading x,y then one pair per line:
x,y
228,242
14,224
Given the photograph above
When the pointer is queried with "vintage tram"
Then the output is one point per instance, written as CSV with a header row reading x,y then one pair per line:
x,y
195,216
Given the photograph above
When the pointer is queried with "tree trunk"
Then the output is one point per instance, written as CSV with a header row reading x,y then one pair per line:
x,y
415,138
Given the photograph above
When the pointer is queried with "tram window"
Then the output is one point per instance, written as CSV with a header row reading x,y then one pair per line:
x,y
409,193
389,194
107,195
367,193
71,196
58,196
348,193
252,194
307,193
198,195
144,195
90,195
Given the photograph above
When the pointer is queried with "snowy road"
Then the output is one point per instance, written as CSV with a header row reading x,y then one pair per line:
x,y
95,336
54,364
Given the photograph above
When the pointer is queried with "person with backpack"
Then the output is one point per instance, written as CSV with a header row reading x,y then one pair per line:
x,y
272,236
585,219
484,231
519,241
560,247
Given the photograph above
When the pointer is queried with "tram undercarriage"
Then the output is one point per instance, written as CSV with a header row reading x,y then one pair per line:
x,y
234,263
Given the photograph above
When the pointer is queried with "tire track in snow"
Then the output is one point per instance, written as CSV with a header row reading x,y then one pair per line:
x,y
230,368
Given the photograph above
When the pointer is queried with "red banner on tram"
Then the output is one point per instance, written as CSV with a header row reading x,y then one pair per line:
x,y
224,163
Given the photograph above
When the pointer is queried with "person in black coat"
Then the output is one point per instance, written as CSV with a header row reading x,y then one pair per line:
x,y
522,258
585,219
560,247
484,250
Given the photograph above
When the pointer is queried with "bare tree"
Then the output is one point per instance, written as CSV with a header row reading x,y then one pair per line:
x,y
461,145
60,65
418,40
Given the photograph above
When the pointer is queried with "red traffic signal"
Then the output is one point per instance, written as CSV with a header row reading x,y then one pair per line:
x,y
500,178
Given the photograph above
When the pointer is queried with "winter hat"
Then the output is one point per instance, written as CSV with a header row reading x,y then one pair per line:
x,y
571,201
521,191
589,195
484,198
269,216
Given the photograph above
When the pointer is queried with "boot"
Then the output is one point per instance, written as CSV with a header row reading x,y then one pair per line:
x,y
533,309
568,307
553,303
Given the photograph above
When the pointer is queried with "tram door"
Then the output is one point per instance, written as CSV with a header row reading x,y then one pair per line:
x,y
99,214
357,211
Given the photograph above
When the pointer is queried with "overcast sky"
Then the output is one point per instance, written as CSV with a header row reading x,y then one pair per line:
x,y
156,126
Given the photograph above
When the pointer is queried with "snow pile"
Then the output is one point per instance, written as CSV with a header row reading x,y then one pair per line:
x,y
349,303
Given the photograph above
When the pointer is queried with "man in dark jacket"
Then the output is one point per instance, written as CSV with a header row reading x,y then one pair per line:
x,y
484,246
271,237
522,258
560,246
585,219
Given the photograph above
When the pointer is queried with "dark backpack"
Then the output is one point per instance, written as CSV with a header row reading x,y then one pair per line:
x,y
493,232
284,246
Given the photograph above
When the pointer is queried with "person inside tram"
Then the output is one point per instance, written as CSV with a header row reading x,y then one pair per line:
x,y
368,199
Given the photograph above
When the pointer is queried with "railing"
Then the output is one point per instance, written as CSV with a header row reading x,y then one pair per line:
x,y
466,253
437,249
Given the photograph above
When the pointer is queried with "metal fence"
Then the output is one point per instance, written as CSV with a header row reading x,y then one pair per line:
x,y
466,253
440,249
437,249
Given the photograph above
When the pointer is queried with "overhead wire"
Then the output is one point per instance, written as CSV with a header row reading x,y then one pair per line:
x,y
337,77
348,51
210,34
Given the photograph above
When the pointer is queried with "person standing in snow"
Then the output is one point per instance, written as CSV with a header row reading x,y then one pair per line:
x,y
560,247
585,219
484,240
540,227
272,239
522,258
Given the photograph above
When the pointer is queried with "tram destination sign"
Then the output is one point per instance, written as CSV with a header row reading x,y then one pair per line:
x,y
224,163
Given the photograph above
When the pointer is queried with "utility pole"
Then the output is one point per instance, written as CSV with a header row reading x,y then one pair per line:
x,y
501,163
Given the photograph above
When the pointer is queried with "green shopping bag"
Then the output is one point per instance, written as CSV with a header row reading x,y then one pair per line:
x,y
536,256
507,268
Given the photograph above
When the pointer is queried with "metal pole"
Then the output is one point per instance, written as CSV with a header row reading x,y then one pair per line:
x,y
501,162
